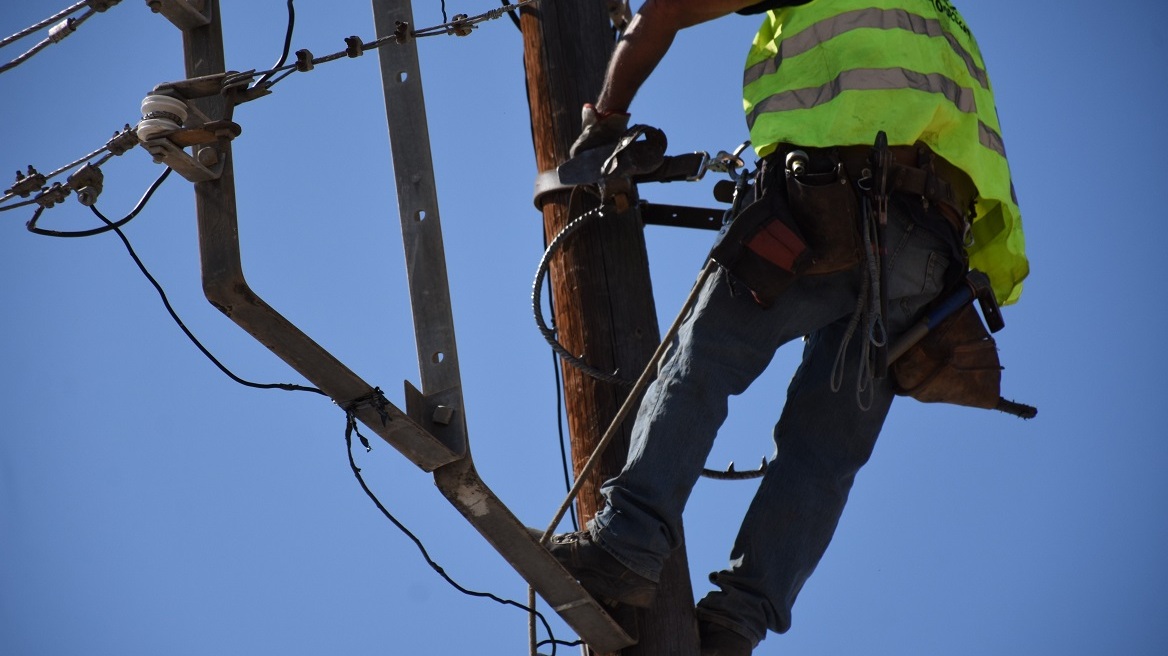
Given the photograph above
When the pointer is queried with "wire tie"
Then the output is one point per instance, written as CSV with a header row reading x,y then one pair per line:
x,y
375,400
350,428
164,115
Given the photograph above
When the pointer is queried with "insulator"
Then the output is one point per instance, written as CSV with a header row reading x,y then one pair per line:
x,y
160,114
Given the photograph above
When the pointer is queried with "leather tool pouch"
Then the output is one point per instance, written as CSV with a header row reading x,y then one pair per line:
x,y
798,225
957,362
762,247
825,206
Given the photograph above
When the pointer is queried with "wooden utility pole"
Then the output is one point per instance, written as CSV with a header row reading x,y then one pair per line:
x,y
604,308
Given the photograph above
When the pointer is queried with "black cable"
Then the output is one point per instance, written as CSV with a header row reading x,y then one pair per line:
x,y
574,643
563,438
286,73
189,334
110,225
560,411
287,46
541,273
350,429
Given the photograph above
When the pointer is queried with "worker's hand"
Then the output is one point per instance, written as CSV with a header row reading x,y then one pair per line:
x,y
599,129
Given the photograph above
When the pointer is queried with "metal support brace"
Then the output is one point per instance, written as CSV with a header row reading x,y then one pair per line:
x,y
439,405
432,434
227,289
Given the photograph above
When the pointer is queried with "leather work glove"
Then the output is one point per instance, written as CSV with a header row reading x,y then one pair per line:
x,y
599,129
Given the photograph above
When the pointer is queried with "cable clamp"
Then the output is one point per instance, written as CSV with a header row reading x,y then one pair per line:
x,y
53,195
354,47
304,61
101,5
460,26
402,32
87,181
122,142
27,183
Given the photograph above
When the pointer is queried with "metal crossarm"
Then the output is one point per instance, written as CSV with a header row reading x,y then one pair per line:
x,y
431,433
438,406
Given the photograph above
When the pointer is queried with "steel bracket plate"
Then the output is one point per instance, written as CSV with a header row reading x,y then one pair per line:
x,y
439,407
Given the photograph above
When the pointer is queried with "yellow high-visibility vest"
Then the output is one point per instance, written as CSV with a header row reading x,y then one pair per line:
x,y
836,72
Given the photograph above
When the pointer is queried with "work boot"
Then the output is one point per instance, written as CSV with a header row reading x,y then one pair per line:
x,y
601,574
717,640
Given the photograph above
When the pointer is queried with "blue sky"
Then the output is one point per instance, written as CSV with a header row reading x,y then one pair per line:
x,y
149,505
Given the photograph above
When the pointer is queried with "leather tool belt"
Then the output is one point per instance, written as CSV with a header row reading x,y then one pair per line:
x,y
917,171
809,223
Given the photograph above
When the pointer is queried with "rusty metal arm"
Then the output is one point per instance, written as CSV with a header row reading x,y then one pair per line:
x,y
226,287
432,433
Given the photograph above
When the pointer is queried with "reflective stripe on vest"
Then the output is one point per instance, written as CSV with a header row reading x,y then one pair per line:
x,y
834,73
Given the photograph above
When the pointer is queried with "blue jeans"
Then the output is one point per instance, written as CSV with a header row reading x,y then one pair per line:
x,y
822,438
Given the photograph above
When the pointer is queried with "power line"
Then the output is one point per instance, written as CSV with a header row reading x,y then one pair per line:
x,y
287,44
110,225
351,429
58,32
174,315
43,24
460,25
115,226
34,181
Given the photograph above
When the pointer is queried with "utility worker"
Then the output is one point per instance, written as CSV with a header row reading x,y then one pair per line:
x,y
823,79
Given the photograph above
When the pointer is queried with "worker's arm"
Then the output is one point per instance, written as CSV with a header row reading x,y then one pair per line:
x,y
647,39
643,45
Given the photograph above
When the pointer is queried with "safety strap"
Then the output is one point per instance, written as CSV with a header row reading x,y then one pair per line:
x,y
638,157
